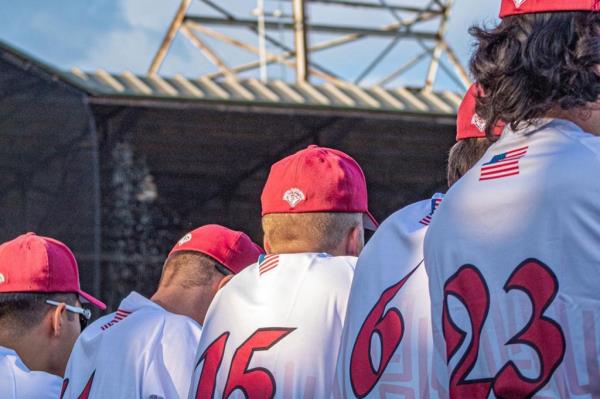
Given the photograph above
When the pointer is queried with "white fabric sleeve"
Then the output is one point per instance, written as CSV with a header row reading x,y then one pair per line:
x,y
170,371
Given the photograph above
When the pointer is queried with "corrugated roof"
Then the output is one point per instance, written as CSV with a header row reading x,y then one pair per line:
x,y
251,91
274,92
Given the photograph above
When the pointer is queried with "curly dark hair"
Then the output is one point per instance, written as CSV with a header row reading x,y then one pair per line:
x,y
530,64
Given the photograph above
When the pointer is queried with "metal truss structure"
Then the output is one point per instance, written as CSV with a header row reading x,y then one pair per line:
x,y
424,26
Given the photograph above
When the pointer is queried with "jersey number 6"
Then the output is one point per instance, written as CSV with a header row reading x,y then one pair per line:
x,y
389,327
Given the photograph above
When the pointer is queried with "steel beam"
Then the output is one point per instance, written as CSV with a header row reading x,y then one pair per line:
x,y
169,36
208,52
338,41
300,41
314,27
402,69
362,4
268,38
438,50
299,56
269,57
458,67
262,43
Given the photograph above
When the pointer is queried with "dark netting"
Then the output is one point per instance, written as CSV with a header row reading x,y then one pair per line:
x,y
121,179
138,232
49,181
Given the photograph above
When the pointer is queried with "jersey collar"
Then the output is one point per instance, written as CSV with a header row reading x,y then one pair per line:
x,y
135,301
534,125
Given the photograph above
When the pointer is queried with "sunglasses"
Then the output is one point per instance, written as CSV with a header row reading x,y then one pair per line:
x,y
84,314
223,270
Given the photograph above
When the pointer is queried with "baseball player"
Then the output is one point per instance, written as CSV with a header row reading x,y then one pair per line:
x,y
274,330
512,254
146,349
386,345
40,315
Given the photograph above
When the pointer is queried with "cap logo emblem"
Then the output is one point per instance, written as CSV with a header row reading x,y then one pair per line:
x,y
478,122
185,239
518,3
294,196
2,278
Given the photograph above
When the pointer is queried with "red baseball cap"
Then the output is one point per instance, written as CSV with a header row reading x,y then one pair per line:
x,y
317,179
32,263
233,249
515,7
468,123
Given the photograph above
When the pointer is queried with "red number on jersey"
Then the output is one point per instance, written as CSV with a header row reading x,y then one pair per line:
x,y
469,287
541,333
212,357
390,328
63,389
86,390
256,383
88,387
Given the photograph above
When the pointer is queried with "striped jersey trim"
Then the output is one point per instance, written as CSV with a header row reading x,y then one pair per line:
x,y
119,315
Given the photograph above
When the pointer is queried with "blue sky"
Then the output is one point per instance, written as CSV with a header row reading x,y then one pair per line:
x,y
119,35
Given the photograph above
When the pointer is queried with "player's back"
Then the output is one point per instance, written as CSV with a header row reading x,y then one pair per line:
x,y
514,269
141,351
275,329
18,382
386,343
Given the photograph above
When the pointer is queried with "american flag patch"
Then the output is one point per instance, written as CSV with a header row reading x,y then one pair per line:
x,y
120,315
268,262
435,203
502,165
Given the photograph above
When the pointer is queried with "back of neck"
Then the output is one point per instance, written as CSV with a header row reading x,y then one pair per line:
x,y
190,302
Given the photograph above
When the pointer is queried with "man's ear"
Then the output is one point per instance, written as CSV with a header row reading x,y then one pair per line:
x,y
57,319
224,281
355,241
266,245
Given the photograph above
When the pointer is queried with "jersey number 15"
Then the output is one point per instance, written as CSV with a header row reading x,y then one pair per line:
x,y
256,383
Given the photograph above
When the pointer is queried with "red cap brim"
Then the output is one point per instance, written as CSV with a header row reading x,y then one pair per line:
x,y
85,297
369,222
514,7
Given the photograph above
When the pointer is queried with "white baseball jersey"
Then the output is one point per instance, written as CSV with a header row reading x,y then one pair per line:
x,y
274,330
513,259
139,352
386,345
18,382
